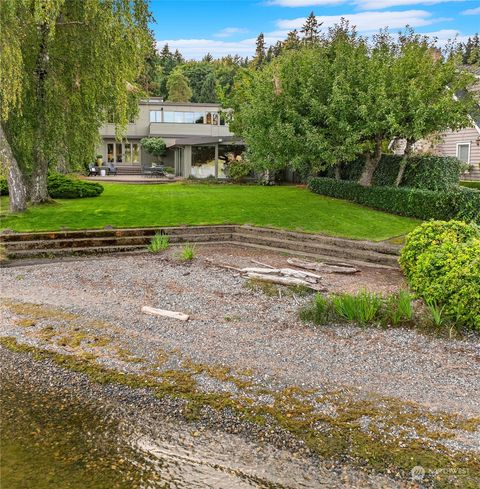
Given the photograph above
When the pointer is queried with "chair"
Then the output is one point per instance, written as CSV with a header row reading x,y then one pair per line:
x,y
111,169
92,170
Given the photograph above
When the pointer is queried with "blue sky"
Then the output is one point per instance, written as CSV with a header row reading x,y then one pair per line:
x,y
223,27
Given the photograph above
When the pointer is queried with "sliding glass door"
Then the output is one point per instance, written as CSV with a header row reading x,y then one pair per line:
x,y
125,153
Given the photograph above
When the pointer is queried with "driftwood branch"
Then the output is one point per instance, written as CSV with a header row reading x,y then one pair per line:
x,y
322,267
282,280
162,312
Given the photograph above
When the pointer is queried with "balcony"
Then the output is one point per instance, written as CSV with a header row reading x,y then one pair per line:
x,y
173,129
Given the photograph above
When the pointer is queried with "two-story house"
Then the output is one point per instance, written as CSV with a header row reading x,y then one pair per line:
x,y
197,138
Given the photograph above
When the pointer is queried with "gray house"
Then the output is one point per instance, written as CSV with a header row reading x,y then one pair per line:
x,y
197,137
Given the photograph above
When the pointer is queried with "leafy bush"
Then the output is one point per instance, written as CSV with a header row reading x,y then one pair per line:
x,y
63,187
238,170
442,263
461,203
427,172
160,242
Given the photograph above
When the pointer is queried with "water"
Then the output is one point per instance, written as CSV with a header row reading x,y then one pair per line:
x,y
50,439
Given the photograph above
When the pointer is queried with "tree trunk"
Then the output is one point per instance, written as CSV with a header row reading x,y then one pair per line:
x,y
39,192
16,182
403,163
371,163
338,174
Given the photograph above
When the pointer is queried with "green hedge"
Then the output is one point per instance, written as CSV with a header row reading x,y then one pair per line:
x,y
460,203
63,187
442,263
472,184
426,172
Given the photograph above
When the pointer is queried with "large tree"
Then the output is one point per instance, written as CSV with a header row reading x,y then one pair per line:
x,y
65,64
178,88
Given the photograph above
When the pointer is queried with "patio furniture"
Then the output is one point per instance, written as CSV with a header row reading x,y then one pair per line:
x,y
92,170
111,169
158,171
147,171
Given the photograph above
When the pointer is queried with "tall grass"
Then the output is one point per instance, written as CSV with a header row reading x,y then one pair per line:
x,y
160,242
361,308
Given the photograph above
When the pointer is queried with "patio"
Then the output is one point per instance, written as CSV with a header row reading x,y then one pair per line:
x,y
138,179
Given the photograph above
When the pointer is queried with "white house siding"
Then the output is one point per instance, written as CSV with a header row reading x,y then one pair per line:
x,y
448,147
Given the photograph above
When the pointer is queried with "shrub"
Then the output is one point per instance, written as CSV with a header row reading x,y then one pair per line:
x,y
361,308
442,264
238,170
432,234
154,146
461,203
160,242
63,187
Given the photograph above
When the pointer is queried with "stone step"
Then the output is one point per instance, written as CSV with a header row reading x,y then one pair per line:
x,y
319,248
111,241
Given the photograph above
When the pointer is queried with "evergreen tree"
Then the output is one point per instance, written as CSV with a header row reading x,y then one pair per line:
x,y
310,29
208,58
292,41
259,58
178,88
208,92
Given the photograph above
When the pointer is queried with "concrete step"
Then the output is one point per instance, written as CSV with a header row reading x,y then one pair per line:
x,y
103,233
111,241
319,248
379,247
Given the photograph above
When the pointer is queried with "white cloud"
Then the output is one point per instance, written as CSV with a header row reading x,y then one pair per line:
x,y
303,3
369,21
230,31
380,4
198,48
471,11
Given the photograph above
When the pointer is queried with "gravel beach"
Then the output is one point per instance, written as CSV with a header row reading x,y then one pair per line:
x,y
240,329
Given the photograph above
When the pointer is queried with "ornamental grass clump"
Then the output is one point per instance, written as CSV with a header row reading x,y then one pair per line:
x,y
160,242
362,308
188,252
398,308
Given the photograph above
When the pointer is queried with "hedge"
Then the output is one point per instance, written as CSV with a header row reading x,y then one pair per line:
x,y
459,203
63,187
426,172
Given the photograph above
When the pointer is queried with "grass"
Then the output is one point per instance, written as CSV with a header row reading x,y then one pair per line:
x,y
160,242
188,252
288,207
471,184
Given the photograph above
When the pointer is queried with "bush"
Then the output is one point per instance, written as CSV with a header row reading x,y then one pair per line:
x,y
427,172
238,170
63,187
442,263
461,203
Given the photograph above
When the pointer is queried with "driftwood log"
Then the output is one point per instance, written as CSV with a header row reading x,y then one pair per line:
x,y
162,312
322,267
282,280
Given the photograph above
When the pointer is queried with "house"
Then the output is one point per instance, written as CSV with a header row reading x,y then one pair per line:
x,y
465,143
197,138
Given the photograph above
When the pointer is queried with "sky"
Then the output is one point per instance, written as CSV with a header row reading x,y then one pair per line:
x,y
223,27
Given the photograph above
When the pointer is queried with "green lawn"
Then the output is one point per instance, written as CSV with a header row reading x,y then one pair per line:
x,y
288,207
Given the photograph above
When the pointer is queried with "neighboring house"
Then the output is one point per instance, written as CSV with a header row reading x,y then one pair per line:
x,y
465,143
196,136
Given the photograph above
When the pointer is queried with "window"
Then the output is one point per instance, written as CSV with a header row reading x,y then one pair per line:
x,y
189,117
110,157
168,116
215,118
463,152
178,117
155,116
135,153
199,116
119,152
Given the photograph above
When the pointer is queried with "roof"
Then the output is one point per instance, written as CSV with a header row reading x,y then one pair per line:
x,y
159,101
200,140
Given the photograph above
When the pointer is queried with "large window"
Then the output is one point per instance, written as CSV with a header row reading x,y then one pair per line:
x,y
463,152
128,153
168,116
155,116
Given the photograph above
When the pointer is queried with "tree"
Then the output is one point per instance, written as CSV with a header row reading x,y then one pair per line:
x,y
208,92
149,80
178,88
259,58
154,146
310,29
59,80
292,41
